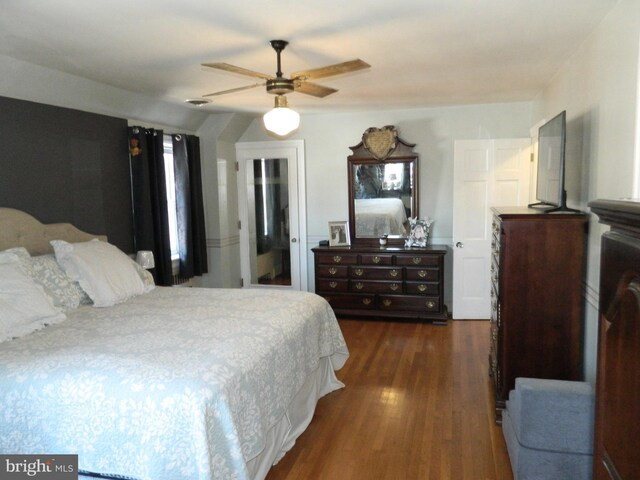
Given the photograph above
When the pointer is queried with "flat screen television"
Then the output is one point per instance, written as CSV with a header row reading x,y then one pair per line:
x,y
550,190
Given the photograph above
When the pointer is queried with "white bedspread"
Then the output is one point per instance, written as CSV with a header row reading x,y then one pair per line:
x,y
179,383
380,216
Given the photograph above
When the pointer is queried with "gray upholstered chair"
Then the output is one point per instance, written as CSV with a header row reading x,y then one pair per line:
x,y
548,428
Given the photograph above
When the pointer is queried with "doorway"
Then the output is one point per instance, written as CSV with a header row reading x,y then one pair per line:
x,y
272,214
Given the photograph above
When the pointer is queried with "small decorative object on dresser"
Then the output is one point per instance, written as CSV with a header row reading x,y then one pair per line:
x,y
420,230
339,234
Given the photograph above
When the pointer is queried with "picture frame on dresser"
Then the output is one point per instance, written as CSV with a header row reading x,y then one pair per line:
x,y
419,235
339,234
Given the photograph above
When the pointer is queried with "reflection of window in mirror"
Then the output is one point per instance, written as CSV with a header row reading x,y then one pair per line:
x,y
393,176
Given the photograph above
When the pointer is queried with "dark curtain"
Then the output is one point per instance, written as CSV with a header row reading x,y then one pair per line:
x,y
151,218
189,205
199,238
149,193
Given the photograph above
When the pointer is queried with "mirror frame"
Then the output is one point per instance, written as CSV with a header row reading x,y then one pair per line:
x,y
402,153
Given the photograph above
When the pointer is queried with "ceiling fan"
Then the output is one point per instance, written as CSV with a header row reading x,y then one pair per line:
x,y
280,85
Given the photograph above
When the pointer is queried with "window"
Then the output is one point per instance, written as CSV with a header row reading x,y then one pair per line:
x,y
171,196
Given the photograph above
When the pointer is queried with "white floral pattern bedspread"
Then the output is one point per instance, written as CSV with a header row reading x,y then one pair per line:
x,y
180,383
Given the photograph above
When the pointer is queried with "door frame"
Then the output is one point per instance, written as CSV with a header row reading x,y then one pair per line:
x,y
293,150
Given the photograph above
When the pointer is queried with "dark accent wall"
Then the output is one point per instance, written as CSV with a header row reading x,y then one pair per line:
x,y
64,165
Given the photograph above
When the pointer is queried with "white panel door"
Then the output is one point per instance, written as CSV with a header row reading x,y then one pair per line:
x,y
486,173
272,214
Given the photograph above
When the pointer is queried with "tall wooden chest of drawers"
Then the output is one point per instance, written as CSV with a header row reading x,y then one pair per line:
x,y
537,276
383,282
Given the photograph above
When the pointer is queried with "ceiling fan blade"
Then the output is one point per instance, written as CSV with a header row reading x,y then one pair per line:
x,y
232,68
232,90
313,89
330,70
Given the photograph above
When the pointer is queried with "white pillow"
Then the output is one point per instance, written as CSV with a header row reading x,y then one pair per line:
x,y
47,273
24,307
103,271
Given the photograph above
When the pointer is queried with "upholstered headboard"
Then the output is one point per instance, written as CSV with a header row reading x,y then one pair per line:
x,y
19,229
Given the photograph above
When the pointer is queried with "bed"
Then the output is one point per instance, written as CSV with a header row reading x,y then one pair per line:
x,y
172,383
380,216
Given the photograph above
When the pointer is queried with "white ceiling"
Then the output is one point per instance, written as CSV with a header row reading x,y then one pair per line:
x,y
422,52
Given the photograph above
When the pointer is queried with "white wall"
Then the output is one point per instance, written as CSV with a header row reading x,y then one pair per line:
x,y
598,87
328,138
218,136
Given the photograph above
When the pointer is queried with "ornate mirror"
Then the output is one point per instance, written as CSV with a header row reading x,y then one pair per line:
x,y
383,187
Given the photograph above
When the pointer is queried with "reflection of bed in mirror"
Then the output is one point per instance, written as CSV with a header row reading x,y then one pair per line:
x,y
380,216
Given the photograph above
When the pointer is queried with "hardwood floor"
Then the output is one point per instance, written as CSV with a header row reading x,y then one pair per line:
x,y
417,405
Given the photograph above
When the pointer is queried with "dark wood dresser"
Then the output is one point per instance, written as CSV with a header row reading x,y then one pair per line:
x,y
537,275
617,424
391,282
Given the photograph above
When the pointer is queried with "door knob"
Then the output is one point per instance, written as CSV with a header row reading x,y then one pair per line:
x,y
293,240
460,245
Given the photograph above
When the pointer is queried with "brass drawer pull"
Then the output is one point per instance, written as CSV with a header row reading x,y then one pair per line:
x,y
366,301
386,302
359,272
359,285
333,284
393,273
376,259
422,273
431,304
422,287
417,260
333,270
394,286
337,258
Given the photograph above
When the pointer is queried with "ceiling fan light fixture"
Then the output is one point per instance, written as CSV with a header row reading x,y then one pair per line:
x,y
281,120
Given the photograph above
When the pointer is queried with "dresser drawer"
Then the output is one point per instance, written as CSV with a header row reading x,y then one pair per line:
x,y
375,286
336,259
409,303
418,260
423,274
347,301
423,288
333,271
333,285
376,273
376,259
